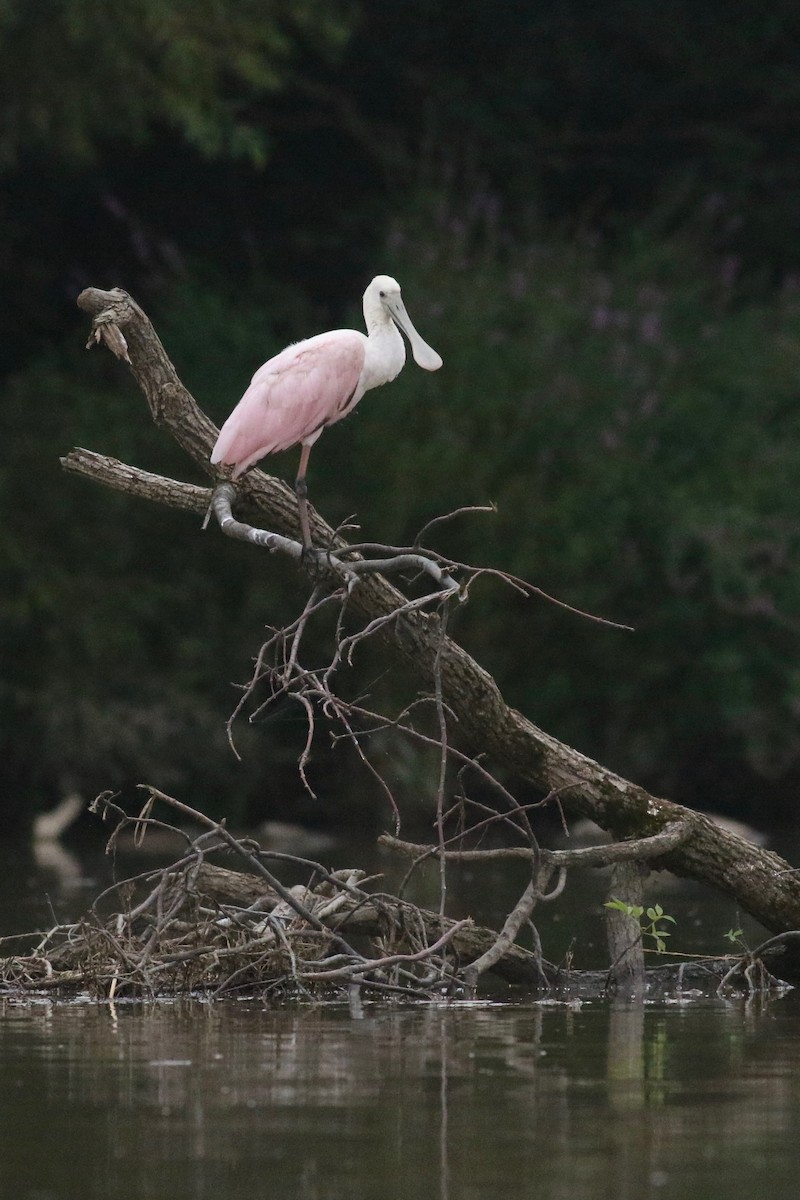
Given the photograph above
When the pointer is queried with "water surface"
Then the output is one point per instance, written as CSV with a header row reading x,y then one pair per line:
x,y
507,1099
191,1100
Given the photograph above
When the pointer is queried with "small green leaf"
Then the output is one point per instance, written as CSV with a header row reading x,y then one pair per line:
x,y
630,910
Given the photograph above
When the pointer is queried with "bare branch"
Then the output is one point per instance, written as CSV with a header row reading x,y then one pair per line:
x,y
144,485
392,959
668,839
457,512
520,913
252,860
349,569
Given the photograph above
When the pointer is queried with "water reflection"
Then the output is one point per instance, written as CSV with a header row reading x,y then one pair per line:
x,y
194,1101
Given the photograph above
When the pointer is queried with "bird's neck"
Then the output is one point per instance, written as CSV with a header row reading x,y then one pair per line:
x,y
386,351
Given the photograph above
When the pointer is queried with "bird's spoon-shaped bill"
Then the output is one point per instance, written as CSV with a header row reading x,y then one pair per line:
x,y
424,355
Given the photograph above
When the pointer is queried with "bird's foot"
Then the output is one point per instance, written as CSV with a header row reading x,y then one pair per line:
x,y
313,561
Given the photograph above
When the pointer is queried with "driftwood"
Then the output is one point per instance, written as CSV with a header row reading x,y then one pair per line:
x,y
197,927
516,966
758,880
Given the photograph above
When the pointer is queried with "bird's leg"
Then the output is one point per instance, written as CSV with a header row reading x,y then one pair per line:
x,y
301,492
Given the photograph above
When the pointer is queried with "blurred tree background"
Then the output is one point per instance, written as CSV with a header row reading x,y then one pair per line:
x,y
594,212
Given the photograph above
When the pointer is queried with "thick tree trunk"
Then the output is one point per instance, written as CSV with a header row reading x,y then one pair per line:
x,y
626,953
760,881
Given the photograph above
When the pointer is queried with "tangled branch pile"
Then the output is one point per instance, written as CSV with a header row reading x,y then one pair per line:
x,y
196,927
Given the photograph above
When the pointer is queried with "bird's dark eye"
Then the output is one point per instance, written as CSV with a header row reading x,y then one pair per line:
x,y
383,295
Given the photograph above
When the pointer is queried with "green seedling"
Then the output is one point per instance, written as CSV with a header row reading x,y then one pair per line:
x,y
648,920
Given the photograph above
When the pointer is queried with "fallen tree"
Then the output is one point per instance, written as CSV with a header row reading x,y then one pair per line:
x,y
462,696
195,927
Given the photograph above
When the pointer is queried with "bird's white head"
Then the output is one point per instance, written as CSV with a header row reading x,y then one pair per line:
x,y
383,296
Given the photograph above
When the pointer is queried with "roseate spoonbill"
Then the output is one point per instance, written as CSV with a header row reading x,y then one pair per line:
x,y
316,382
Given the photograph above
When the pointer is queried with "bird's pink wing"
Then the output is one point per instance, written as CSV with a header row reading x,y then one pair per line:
x,y
293,396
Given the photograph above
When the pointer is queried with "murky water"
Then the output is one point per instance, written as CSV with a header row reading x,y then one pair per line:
x,y
191,1100
458,1102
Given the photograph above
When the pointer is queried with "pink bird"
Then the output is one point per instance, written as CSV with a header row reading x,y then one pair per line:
x,y
314,383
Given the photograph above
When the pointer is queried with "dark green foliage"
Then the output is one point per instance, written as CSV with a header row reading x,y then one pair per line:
x,y
639,433
593,112
614,293
76,73
123,625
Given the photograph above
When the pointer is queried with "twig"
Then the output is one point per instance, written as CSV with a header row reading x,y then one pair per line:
x,y
392,959
253,860
441,717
